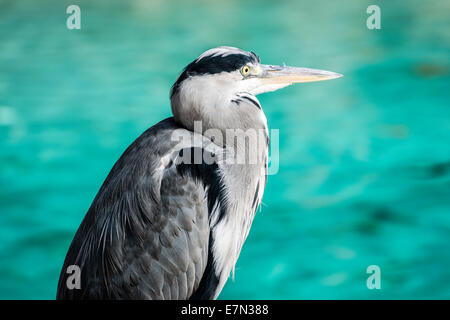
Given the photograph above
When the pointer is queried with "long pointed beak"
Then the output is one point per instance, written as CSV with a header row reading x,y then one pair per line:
x,y
288,75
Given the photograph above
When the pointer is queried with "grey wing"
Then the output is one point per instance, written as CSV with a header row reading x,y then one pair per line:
x,y
145,249
147,232
176,250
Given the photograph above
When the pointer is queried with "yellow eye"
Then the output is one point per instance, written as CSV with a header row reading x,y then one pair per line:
x,y
245,70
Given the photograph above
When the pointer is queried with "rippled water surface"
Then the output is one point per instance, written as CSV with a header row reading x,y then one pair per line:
x,y
364,176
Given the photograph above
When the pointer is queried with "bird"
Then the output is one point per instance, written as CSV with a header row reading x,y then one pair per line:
x,y
171,217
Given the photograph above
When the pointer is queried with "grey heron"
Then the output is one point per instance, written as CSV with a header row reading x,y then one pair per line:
x,y
164,225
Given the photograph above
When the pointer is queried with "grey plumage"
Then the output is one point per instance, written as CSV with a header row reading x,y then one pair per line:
x,y
139,240
164,225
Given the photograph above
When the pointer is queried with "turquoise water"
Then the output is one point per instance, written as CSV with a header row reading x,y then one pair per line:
x,y
364,175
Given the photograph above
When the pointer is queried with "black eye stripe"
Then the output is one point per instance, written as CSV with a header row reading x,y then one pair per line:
x,y
215,64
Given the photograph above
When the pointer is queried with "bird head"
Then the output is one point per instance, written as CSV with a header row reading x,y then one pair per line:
x,y
219,88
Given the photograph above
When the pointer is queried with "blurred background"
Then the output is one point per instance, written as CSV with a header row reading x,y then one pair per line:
x,y
364,175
